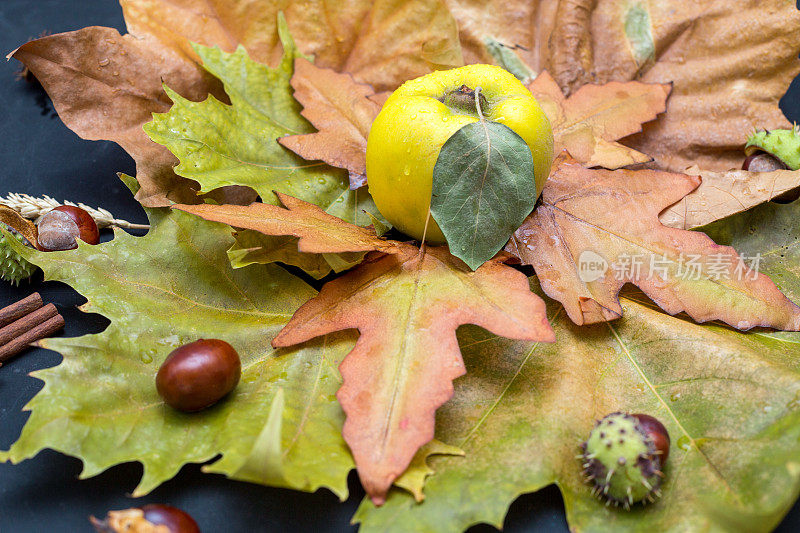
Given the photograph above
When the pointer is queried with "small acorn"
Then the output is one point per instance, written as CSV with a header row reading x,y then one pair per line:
x,y
773,150
152,518
60,229
623,458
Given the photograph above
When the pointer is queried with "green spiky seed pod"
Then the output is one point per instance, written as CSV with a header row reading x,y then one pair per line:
x,y
623,461
782,144
13,267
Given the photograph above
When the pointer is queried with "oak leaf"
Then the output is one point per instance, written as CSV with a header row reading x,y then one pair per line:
x,y
722,194
341,110
584,252
407,307
589,121
269,234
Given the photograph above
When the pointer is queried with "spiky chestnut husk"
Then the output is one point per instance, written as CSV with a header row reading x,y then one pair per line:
x,y
622,458
782,144
13,267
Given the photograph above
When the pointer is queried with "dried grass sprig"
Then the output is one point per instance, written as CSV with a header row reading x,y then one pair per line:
x,y
33,208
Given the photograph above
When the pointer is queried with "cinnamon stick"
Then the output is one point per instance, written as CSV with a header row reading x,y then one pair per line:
x,y
27,322
19,309
43,330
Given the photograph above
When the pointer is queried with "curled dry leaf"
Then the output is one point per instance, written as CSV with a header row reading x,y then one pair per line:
x,y
252,247
584,252
10,219
318,232
407,307
722,194
590,120
341,110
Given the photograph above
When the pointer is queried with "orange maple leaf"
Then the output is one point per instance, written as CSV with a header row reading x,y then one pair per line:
x,y
407,304
407,308
591,119
584,251
341,109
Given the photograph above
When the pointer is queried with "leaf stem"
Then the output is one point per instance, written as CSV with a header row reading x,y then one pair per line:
x,y
478,103
424,232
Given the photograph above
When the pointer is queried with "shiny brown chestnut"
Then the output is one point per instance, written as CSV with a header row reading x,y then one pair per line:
x,y
199,374
60,228
176,520
654,429
763,162
152,517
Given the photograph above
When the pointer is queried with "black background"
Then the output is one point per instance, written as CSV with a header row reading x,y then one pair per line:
x,y
39,155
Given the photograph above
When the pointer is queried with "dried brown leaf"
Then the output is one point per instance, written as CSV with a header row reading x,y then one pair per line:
x,y
525,25
584,251
587,123
383,42
341,110
730,63
105,86
722,194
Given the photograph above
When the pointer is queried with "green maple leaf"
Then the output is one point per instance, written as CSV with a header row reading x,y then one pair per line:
x,y
730,400
219,144
159,291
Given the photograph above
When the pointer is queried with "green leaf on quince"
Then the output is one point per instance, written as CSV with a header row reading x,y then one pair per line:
x,y
483,189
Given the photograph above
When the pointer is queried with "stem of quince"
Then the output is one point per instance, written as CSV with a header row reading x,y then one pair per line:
x,y
465,100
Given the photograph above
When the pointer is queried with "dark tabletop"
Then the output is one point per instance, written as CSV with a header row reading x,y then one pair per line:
x,y
39,155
